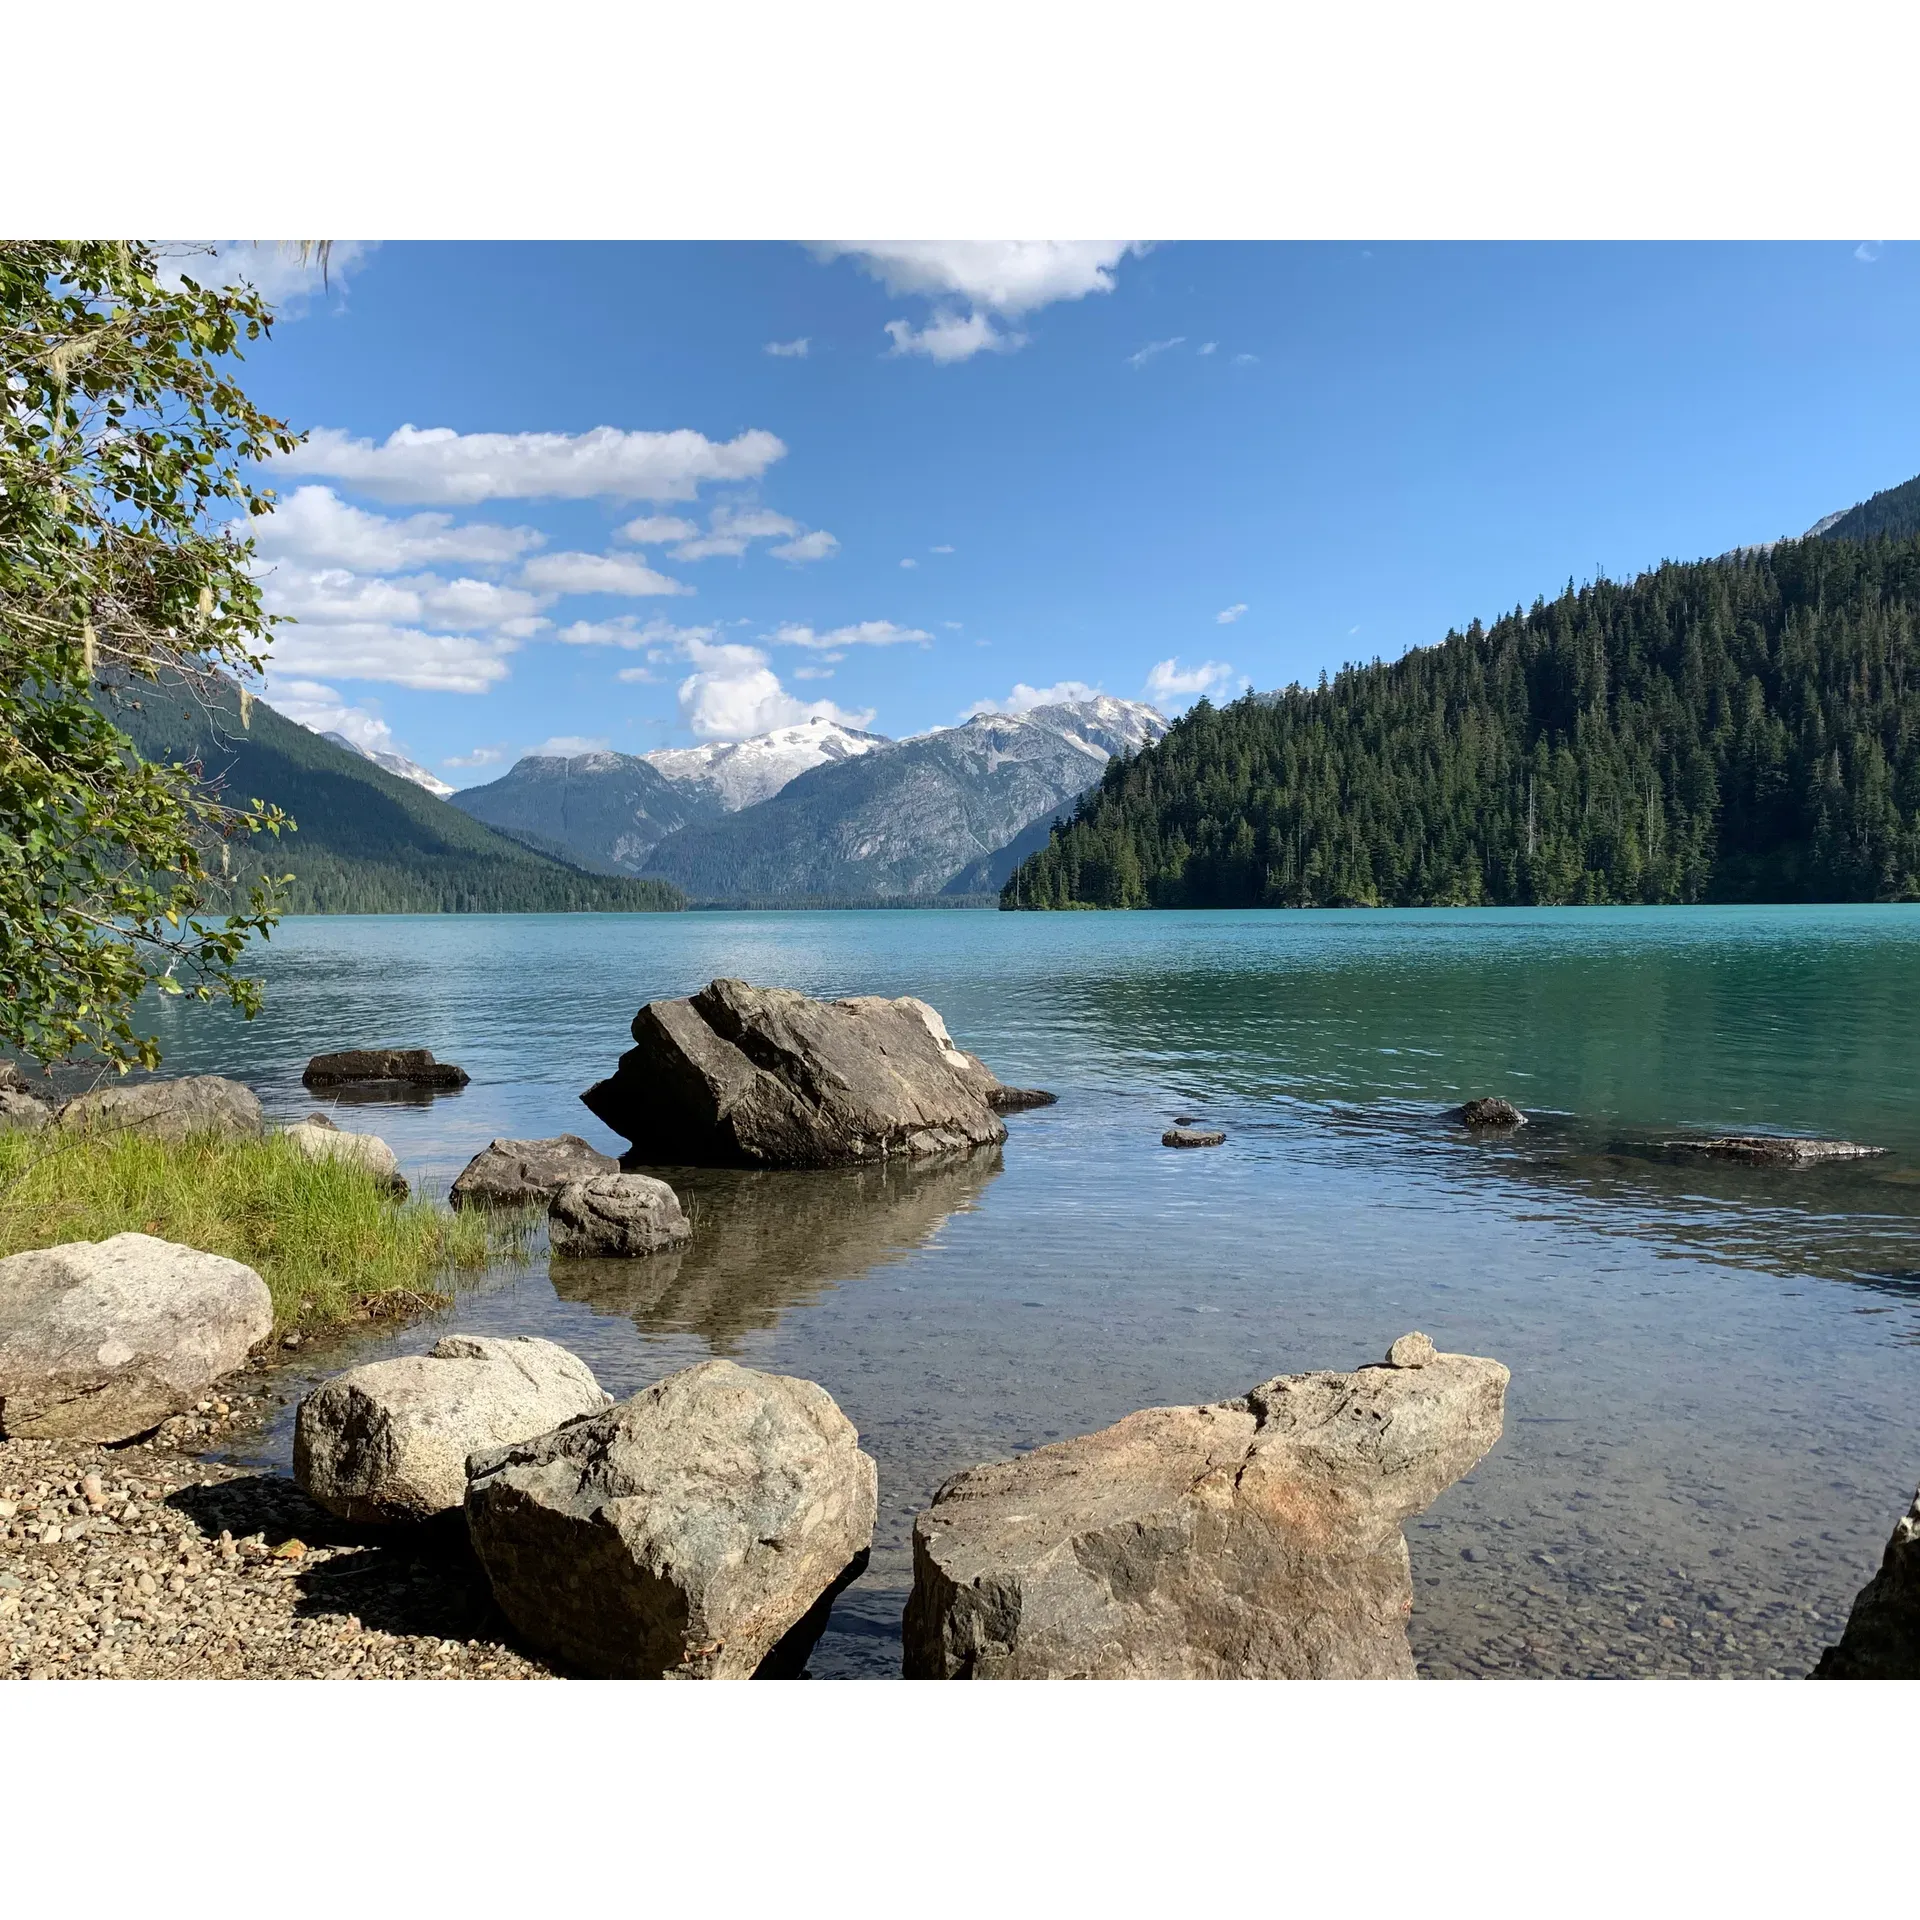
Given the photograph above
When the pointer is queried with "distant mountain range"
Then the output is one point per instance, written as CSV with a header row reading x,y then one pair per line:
x,y
821,811
368,840
396,764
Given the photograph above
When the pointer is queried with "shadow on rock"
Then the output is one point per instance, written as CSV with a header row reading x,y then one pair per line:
x,y
787,1660
766,1241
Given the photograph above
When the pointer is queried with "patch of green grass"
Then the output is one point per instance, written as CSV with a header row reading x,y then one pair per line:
x,y
325,1237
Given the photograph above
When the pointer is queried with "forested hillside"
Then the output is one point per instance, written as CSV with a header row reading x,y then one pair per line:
x,y
366,840
1892,515
1746,729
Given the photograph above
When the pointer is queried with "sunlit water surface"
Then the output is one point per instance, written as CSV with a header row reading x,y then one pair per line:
x,y
1715,1411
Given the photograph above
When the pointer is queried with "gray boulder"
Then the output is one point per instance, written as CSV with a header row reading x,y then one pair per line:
x,y
1192,1137
526,1173
616,1215
1490,1111
685,1533
1882,1636
362,1066
21,1112
1774,1150
103,1339
389,1441
169,1109
1256,1539
317,1138
764,1076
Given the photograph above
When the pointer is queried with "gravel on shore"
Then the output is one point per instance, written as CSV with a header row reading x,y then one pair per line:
x,y
142,1561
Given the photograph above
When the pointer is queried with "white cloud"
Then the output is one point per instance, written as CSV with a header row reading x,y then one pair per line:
x,y
952,336
1007,276
568,746
406,656
273,268
1023,698
733,692
326,710
868,633
315,525
1868,250
952,626
1170,683
438,465
1228,615
818,545
597,573
731,529
1152,347
1208,348
909,563
787,349
479,757
630,632
1246,359
939,549
334,596
653,529
813,673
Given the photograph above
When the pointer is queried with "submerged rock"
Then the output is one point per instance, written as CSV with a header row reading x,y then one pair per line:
x,y
683,1534
764,1076
525,1173
1489,1111
616,1215
389,1441
409,1066
103,1339
1192,1137
169,1109
1882,1636
1255,1539
319,1139
1774,1150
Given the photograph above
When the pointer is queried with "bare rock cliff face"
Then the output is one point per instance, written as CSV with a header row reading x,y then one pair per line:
x,y
1882,1637
1255,1539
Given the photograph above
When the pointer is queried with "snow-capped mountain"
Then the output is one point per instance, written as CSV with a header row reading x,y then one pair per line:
x,y
394,763
741,773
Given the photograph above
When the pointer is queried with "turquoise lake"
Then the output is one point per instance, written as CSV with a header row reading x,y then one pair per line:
x,y
1715,1413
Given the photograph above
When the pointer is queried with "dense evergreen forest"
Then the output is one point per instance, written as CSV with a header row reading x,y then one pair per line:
x,y
366,840
1742,729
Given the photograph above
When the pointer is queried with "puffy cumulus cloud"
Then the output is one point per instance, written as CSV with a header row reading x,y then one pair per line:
x,y
1228,615
332,596
656,529
479,757
733,692
1023,698
316,526
731,530
867,633
437,465
787,349
817,545
325,710
633,634
277,270
1154,347
1170,684
971,281
618,573
405,656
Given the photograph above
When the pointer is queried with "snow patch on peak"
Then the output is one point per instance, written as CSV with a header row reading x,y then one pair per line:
x,y
394,763
741,773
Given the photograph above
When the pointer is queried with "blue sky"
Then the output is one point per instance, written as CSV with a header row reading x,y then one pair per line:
x,y
996,469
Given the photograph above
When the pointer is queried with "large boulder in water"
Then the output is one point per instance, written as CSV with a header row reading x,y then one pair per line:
x,y
684,1534
169,1109
389,1441
1256,1539
364,1066
764,1076
526,1173
1882,1637
102,1339
1775,1149
616,1216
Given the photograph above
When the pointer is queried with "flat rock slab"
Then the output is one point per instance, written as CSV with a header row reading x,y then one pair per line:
x,y
411,1066
526,1173
683,1534
1489,1111
1192,1137
1255,1539
389,1441
1882,1636
318,1138
169,1109
1774,1150
740,1075
616,1216
103,1339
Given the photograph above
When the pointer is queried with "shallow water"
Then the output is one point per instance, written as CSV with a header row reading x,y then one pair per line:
x,y
1715,1411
